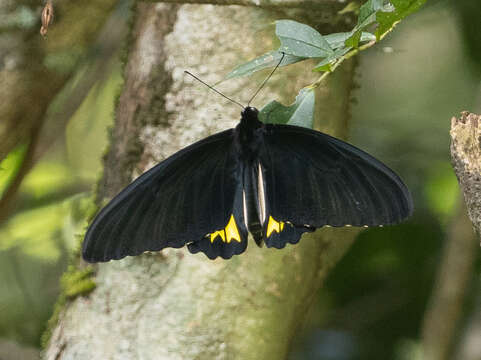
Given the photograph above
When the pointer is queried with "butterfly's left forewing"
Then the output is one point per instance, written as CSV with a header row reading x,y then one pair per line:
x,y
194,197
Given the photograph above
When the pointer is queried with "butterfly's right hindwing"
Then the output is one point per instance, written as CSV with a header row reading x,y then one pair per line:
x,y
182,200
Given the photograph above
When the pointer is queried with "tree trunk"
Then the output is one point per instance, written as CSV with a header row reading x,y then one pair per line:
x,y
175,305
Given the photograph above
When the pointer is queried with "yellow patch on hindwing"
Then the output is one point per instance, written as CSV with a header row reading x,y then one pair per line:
x,y
274,225
229,233
220,233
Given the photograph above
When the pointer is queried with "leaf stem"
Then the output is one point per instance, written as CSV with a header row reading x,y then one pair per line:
x,y
349,55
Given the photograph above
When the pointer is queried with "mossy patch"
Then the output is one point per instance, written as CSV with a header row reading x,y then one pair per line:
x,y
74,282
77,280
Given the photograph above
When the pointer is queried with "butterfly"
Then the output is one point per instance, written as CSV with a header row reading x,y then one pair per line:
x,y
273,181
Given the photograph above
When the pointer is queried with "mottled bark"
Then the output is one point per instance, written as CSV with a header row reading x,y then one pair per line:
x,y
174,305
466,157
142,101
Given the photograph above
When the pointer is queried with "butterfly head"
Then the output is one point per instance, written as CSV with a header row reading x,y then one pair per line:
x,y
250,113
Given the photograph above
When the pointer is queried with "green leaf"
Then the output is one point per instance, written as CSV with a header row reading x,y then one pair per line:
x,y
367,10
387,20
367,16
300,113
353,41
265,61
325,65
337,40
301,40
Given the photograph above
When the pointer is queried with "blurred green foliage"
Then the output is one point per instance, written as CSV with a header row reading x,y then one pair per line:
x,y
47,177
86,131
10,166
468,12
441,190
28,289
380,289
35,242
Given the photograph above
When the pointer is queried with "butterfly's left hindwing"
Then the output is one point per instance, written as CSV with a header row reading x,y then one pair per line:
x,y
183,200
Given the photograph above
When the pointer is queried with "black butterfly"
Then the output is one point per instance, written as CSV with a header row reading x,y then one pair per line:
x,y
274,181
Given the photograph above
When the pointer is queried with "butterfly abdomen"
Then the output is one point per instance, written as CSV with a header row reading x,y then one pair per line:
x,y
251,209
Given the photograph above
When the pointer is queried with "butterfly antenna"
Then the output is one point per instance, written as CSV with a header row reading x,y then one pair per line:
x,y
214,89
267,79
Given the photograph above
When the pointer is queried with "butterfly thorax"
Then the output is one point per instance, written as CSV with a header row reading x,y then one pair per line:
x,y
249,133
